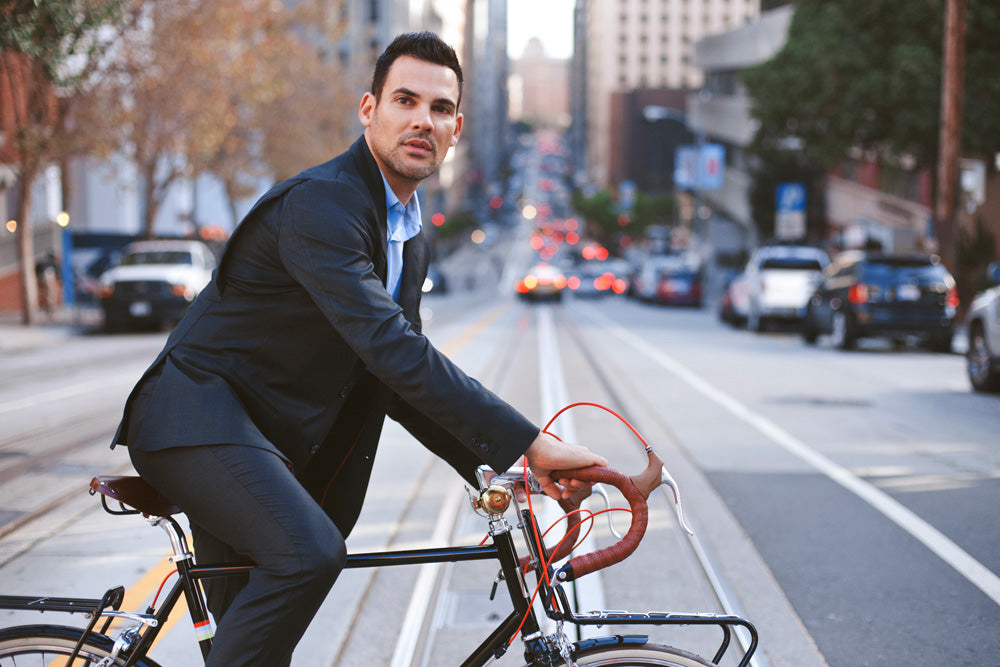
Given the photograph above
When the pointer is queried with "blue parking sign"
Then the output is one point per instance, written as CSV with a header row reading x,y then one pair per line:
x,y
790,211
791,198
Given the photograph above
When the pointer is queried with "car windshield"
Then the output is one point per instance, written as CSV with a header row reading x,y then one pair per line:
x,y
904,269
792,264
158,257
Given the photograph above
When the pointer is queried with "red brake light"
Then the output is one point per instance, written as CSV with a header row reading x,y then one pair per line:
x,y
858,293
952,297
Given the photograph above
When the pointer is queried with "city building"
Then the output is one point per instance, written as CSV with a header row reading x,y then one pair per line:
x,y
720,112
643,44
539,88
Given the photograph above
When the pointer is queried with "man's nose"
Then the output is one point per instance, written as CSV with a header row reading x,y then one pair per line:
x,y
422,118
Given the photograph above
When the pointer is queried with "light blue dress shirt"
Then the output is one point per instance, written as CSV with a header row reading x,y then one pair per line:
x,y
403,224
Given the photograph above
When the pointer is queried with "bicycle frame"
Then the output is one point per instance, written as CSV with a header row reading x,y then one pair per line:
x,y
540,649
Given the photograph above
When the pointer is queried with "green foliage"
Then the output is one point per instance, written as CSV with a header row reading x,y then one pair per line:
x,y
867,74
651,210
604,219
53,32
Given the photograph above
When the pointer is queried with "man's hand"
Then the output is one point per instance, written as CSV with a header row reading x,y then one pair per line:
x,y
547,453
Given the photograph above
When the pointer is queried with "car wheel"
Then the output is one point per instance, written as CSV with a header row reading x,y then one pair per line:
x,y
842,336
979,365
809,332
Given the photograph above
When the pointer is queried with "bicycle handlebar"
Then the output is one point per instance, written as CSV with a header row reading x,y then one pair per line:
x,y
591,562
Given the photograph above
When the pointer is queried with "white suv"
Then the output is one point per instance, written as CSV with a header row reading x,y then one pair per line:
x,y
983,357
780,279
155,282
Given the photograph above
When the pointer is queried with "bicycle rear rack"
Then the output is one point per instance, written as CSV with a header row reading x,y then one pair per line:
x,y
725,622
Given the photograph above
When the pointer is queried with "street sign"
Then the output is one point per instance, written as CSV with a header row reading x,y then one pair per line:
x,y
712,166
699,167
790,211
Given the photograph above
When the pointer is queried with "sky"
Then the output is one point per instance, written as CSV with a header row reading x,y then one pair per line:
x,y
549,20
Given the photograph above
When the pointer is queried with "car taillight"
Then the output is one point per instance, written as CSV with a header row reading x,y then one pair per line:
x,y
106,291
858,293
952,297
183,291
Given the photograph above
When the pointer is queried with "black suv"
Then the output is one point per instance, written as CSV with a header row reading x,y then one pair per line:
x,y
895,296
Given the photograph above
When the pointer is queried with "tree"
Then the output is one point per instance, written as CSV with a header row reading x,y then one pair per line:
x,y
48,54
207,86
866,75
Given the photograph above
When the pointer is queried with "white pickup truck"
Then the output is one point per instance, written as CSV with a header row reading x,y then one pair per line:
x,y
155,283
780,279
983,357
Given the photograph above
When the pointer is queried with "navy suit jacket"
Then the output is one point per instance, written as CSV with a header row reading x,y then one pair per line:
x,y
296,347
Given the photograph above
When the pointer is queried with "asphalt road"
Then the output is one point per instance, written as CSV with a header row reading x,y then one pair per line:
x,y
845,502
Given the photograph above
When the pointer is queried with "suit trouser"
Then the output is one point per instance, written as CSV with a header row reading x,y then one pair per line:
x,y
243,503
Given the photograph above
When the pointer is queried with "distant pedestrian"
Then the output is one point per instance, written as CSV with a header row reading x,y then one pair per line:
x,y
47,274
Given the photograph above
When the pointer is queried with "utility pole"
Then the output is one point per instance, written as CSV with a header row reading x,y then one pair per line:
x,y
952,84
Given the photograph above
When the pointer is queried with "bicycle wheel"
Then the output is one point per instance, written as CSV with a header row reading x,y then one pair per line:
x,y
44,645
633,651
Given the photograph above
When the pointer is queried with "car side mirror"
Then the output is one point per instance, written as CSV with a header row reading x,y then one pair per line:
x,y
993,273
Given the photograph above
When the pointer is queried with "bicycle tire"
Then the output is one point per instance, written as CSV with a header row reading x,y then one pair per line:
x,y
632,651
47,643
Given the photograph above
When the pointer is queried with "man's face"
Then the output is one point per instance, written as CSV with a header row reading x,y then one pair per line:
x,y
414,123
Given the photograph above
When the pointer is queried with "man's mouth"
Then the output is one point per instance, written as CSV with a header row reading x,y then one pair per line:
x,y
421,145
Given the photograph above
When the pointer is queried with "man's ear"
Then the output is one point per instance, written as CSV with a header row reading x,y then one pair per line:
x,y
367,109
458,128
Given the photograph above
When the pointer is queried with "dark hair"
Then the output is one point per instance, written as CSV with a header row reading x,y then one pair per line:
x,y
422,45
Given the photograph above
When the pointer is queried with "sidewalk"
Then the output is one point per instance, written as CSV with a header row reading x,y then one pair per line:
x,y
50,329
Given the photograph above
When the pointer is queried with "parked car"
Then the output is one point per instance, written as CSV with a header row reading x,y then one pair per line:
x,y
780,279
679,284
543,281
669,279
155,283
598,278
884,295
983,356
734,304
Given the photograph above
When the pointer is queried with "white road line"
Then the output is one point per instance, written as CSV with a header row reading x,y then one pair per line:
x,y
423,590
977,573
588,591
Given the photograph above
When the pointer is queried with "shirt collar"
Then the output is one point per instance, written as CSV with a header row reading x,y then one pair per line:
x,y
403,222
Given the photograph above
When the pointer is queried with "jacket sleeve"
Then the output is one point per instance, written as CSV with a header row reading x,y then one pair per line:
x,y
329,242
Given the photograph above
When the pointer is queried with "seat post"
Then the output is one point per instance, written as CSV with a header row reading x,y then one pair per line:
x,y
178,543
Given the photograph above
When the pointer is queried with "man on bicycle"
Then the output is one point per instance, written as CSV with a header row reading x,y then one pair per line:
x,y
261,416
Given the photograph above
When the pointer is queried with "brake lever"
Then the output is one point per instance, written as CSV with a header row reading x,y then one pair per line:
x,y
656,475
667,480
600,490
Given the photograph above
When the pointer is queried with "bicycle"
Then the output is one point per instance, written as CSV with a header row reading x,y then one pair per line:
x,y
129,646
